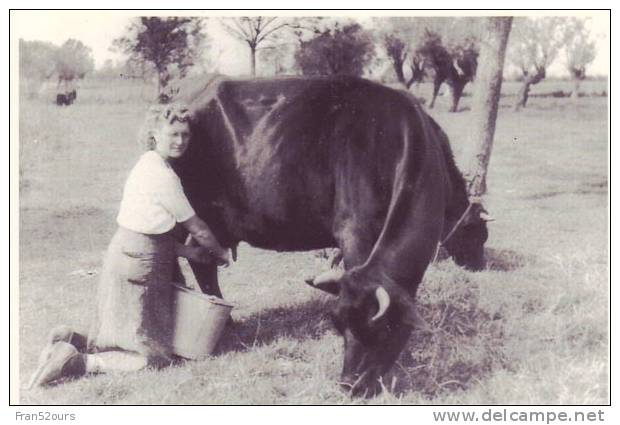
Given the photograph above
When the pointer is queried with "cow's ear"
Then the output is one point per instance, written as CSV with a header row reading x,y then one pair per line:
x,y
328,281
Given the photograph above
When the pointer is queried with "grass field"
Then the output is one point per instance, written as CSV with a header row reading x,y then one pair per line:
x,y
531,329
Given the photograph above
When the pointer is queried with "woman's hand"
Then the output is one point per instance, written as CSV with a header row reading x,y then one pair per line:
x,y
194,253
201,234
203,255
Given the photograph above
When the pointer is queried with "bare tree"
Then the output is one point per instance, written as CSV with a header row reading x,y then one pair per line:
x,y
580,51
486,101
534,45
258,32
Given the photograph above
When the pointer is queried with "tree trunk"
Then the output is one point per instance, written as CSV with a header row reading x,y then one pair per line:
x,y
398,69
523,94
457,92
253,60
485,102
437,82
577,84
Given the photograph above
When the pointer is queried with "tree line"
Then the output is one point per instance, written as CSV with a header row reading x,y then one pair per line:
x,y
441,50
39,60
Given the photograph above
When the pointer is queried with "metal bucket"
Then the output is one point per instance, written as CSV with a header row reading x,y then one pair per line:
x,y
199,321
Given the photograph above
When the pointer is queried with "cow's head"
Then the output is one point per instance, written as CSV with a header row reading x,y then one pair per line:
x,y
375,319
466,244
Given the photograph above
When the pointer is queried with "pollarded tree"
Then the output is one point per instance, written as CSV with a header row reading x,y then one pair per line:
x,y
447,47
401,57
170,45
401,37
580,50
534,45
343,50
453,63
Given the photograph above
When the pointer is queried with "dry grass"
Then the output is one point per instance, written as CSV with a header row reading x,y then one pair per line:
x,y
532,328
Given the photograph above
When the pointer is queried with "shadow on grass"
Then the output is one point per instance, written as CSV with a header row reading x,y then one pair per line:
x,y
499,260
455,346
308,320
586,188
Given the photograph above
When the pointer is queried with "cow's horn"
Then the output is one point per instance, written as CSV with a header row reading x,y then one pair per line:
x,y
485,216
383,298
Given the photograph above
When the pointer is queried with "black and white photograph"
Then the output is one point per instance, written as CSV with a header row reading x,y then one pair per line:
x,y
298,207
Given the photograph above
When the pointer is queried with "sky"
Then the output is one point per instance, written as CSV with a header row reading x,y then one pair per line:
x,y
98,29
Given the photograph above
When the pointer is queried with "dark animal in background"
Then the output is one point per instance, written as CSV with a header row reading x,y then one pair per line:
x,y
300,164
61,99
66,99
71,96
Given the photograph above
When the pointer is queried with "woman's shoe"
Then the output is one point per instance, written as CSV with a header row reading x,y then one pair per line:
x,y
62,360
66,334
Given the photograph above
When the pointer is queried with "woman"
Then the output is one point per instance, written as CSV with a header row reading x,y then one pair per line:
x,y
133,325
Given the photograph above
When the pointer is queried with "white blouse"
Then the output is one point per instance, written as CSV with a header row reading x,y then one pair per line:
x,y
153,198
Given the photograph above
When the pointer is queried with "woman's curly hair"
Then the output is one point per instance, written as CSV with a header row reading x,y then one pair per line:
x,y
158,116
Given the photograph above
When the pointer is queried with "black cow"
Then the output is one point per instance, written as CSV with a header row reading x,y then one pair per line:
x,y
299,164
61,99
66,99
71,96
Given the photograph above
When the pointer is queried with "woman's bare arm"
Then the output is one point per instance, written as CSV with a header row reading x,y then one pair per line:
x,y
202,234
193,252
